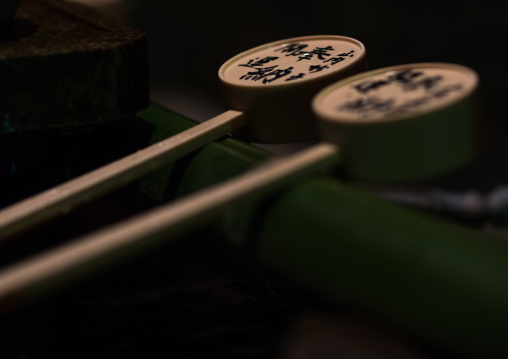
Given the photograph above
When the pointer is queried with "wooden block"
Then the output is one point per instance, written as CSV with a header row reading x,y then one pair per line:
x,y
64,65
8,9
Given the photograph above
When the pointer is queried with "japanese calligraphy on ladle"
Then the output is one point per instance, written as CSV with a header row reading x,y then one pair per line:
x,y
400,93
292,62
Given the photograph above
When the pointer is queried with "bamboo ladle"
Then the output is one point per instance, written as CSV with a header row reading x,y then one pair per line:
x,y
268,90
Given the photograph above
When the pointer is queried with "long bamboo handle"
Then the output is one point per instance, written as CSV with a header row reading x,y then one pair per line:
x,y
36,277
62,198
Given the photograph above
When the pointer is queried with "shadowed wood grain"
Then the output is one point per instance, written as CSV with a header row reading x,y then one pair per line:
x,y
64,65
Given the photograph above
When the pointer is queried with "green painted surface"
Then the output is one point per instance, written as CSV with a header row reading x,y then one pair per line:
x,y
212,164
440,282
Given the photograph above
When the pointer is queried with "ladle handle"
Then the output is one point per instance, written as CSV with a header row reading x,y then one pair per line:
x,y
62,198
38,276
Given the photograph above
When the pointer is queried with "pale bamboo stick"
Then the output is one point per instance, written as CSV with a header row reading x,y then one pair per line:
x,y
36,277
63,198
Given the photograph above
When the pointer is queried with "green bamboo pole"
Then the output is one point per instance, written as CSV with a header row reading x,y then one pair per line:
x,y
446,285
214,163
442,283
